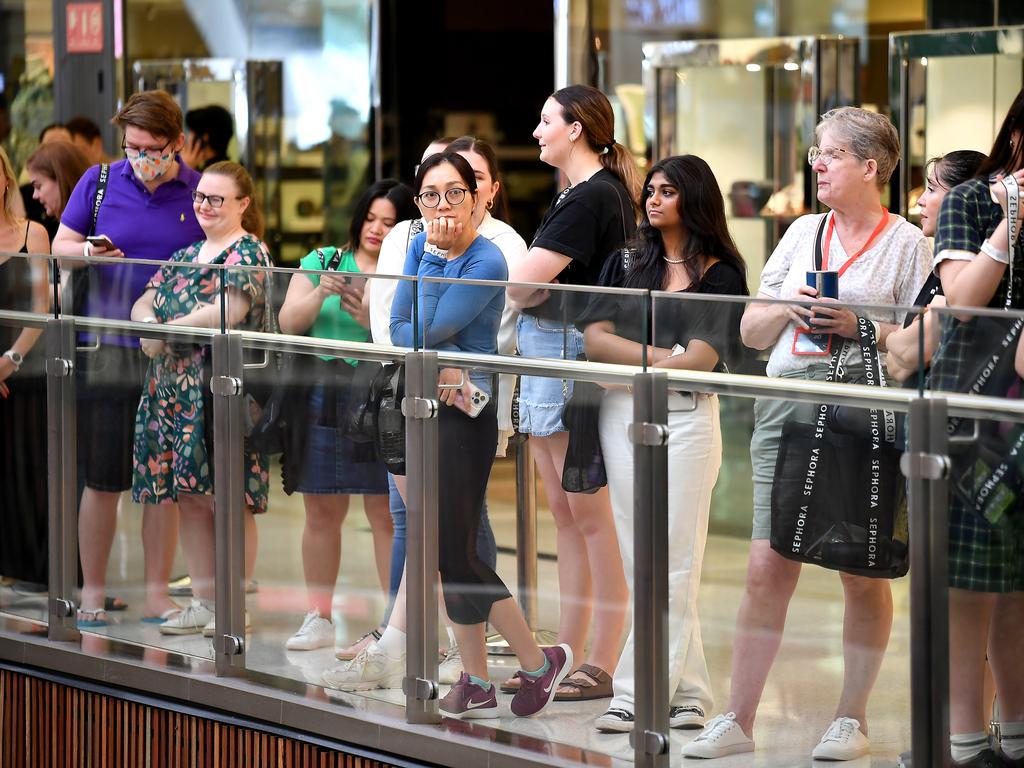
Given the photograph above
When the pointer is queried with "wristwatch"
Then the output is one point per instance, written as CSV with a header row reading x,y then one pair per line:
x,y
15,357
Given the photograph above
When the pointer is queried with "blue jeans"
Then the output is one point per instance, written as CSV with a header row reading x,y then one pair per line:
x,y
486,546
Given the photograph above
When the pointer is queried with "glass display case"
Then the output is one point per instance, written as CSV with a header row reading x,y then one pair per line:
x,y
252,92
749,107
949,90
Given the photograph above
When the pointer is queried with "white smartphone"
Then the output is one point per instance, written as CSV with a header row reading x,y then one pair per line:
x,y
478,400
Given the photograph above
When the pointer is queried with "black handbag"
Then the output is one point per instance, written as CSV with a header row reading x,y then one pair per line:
x,y
838,498
81,280
583,470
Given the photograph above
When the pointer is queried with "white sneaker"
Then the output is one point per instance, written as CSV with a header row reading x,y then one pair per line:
x,y
370,669
315,632
721,736
844,740
449,670
211,626
190,621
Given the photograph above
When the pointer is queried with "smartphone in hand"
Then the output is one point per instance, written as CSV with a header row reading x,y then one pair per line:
x,y
478,400
101,241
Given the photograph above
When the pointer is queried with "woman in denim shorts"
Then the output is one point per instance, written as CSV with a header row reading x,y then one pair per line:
x,y
588,221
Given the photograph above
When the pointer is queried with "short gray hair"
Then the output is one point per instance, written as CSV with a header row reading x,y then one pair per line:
x,y
869,134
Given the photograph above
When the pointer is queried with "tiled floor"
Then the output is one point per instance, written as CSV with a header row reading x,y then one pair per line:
x,y
798,701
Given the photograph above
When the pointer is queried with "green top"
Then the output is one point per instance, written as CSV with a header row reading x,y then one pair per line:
x,y
333,322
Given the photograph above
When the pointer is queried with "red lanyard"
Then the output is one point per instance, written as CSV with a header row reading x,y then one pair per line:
x,y
858,254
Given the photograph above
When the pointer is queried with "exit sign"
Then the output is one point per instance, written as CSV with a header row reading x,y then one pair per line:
x,y
84,28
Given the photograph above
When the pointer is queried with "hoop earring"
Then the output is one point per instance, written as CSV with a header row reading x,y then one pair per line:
x,y
490,204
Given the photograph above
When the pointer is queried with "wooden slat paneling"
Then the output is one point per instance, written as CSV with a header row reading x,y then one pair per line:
x,y
48,724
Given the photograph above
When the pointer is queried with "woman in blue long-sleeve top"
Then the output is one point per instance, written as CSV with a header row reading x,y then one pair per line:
x,y
454,316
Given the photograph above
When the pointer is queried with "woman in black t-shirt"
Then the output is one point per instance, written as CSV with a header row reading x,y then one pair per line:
x,y
589,220
684,246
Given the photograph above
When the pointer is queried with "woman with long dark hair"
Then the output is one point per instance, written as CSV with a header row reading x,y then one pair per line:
x,y
462,317
683,246
590,219
326,466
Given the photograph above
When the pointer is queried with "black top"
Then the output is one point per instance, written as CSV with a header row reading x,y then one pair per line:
x,y
586,222
679,321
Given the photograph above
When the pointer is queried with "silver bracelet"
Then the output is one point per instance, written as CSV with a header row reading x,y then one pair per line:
x,y
996,254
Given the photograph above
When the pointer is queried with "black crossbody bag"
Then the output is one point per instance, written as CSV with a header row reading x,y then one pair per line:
x,y
82,279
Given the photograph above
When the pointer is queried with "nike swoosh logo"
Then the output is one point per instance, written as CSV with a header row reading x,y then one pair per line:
x,y
471,705
548,689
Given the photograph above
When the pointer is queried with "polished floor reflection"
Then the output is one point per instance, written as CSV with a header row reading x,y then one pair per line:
x,y
798,702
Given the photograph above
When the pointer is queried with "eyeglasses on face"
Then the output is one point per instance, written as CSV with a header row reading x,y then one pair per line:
x,y
432,199
827,154
134,152
215,201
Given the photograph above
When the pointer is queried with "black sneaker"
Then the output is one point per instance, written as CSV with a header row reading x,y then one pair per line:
x,y
615,721
686,718
984,759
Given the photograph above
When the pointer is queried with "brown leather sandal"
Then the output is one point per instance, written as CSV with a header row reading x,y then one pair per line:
x,y
512,685
585,684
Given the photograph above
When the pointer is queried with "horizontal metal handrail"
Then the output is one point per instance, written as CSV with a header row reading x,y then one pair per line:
x,y
736,384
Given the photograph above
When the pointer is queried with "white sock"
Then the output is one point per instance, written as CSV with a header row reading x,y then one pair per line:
x,y
452,642
1011,739
964,746
392,642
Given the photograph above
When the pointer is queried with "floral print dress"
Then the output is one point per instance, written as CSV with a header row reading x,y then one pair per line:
x,y
170,455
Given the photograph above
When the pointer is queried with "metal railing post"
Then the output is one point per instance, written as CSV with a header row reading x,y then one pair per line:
x,y
421,462
649,435
526,532
229,505
62,457
926,466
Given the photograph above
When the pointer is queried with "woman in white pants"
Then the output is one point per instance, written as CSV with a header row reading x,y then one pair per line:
x,y
683,246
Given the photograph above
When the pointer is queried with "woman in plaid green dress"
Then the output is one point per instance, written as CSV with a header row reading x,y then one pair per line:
x,y
979,267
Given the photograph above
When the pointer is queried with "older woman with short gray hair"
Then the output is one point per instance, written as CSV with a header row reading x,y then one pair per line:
x,y
882,259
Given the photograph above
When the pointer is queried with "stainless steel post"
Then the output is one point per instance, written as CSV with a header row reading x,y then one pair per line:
x,y
229,503
526,532
62,458
926,466
649,435
421,462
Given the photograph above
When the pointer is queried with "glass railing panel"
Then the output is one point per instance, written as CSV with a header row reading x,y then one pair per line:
x,y
791,473
978,364
328,555
25,306
146,481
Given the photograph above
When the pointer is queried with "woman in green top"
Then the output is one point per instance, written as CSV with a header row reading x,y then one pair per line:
x,y
332,467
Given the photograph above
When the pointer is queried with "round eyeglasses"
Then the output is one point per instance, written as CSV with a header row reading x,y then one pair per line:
x,y
431,199
215,201
826,154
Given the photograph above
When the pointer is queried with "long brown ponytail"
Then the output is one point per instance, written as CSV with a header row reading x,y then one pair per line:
x,y
592,110
252,216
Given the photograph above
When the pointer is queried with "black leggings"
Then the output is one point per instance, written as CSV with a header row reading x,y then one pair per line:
x,y
466,454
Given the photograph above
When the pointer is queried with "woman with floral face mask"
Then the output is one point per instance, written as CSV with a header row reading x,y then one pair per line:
x,y
146,212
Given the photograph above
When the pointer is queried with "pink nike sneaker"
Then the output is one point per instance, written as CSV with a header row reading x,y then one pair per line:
x,y
536,692
467,700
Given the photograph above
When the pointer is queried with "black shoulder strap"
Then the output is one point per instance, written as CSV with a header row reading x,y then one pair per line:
x,y
101,190
818,257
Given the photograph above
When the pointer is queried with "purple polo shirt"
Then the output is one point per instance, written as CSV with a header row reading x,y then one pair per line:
x,y
143,224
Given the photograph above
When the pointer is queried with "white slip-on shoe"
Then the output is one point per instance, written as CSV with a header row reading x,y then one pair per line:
x,y
844,740
315,632
721,736
370,669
